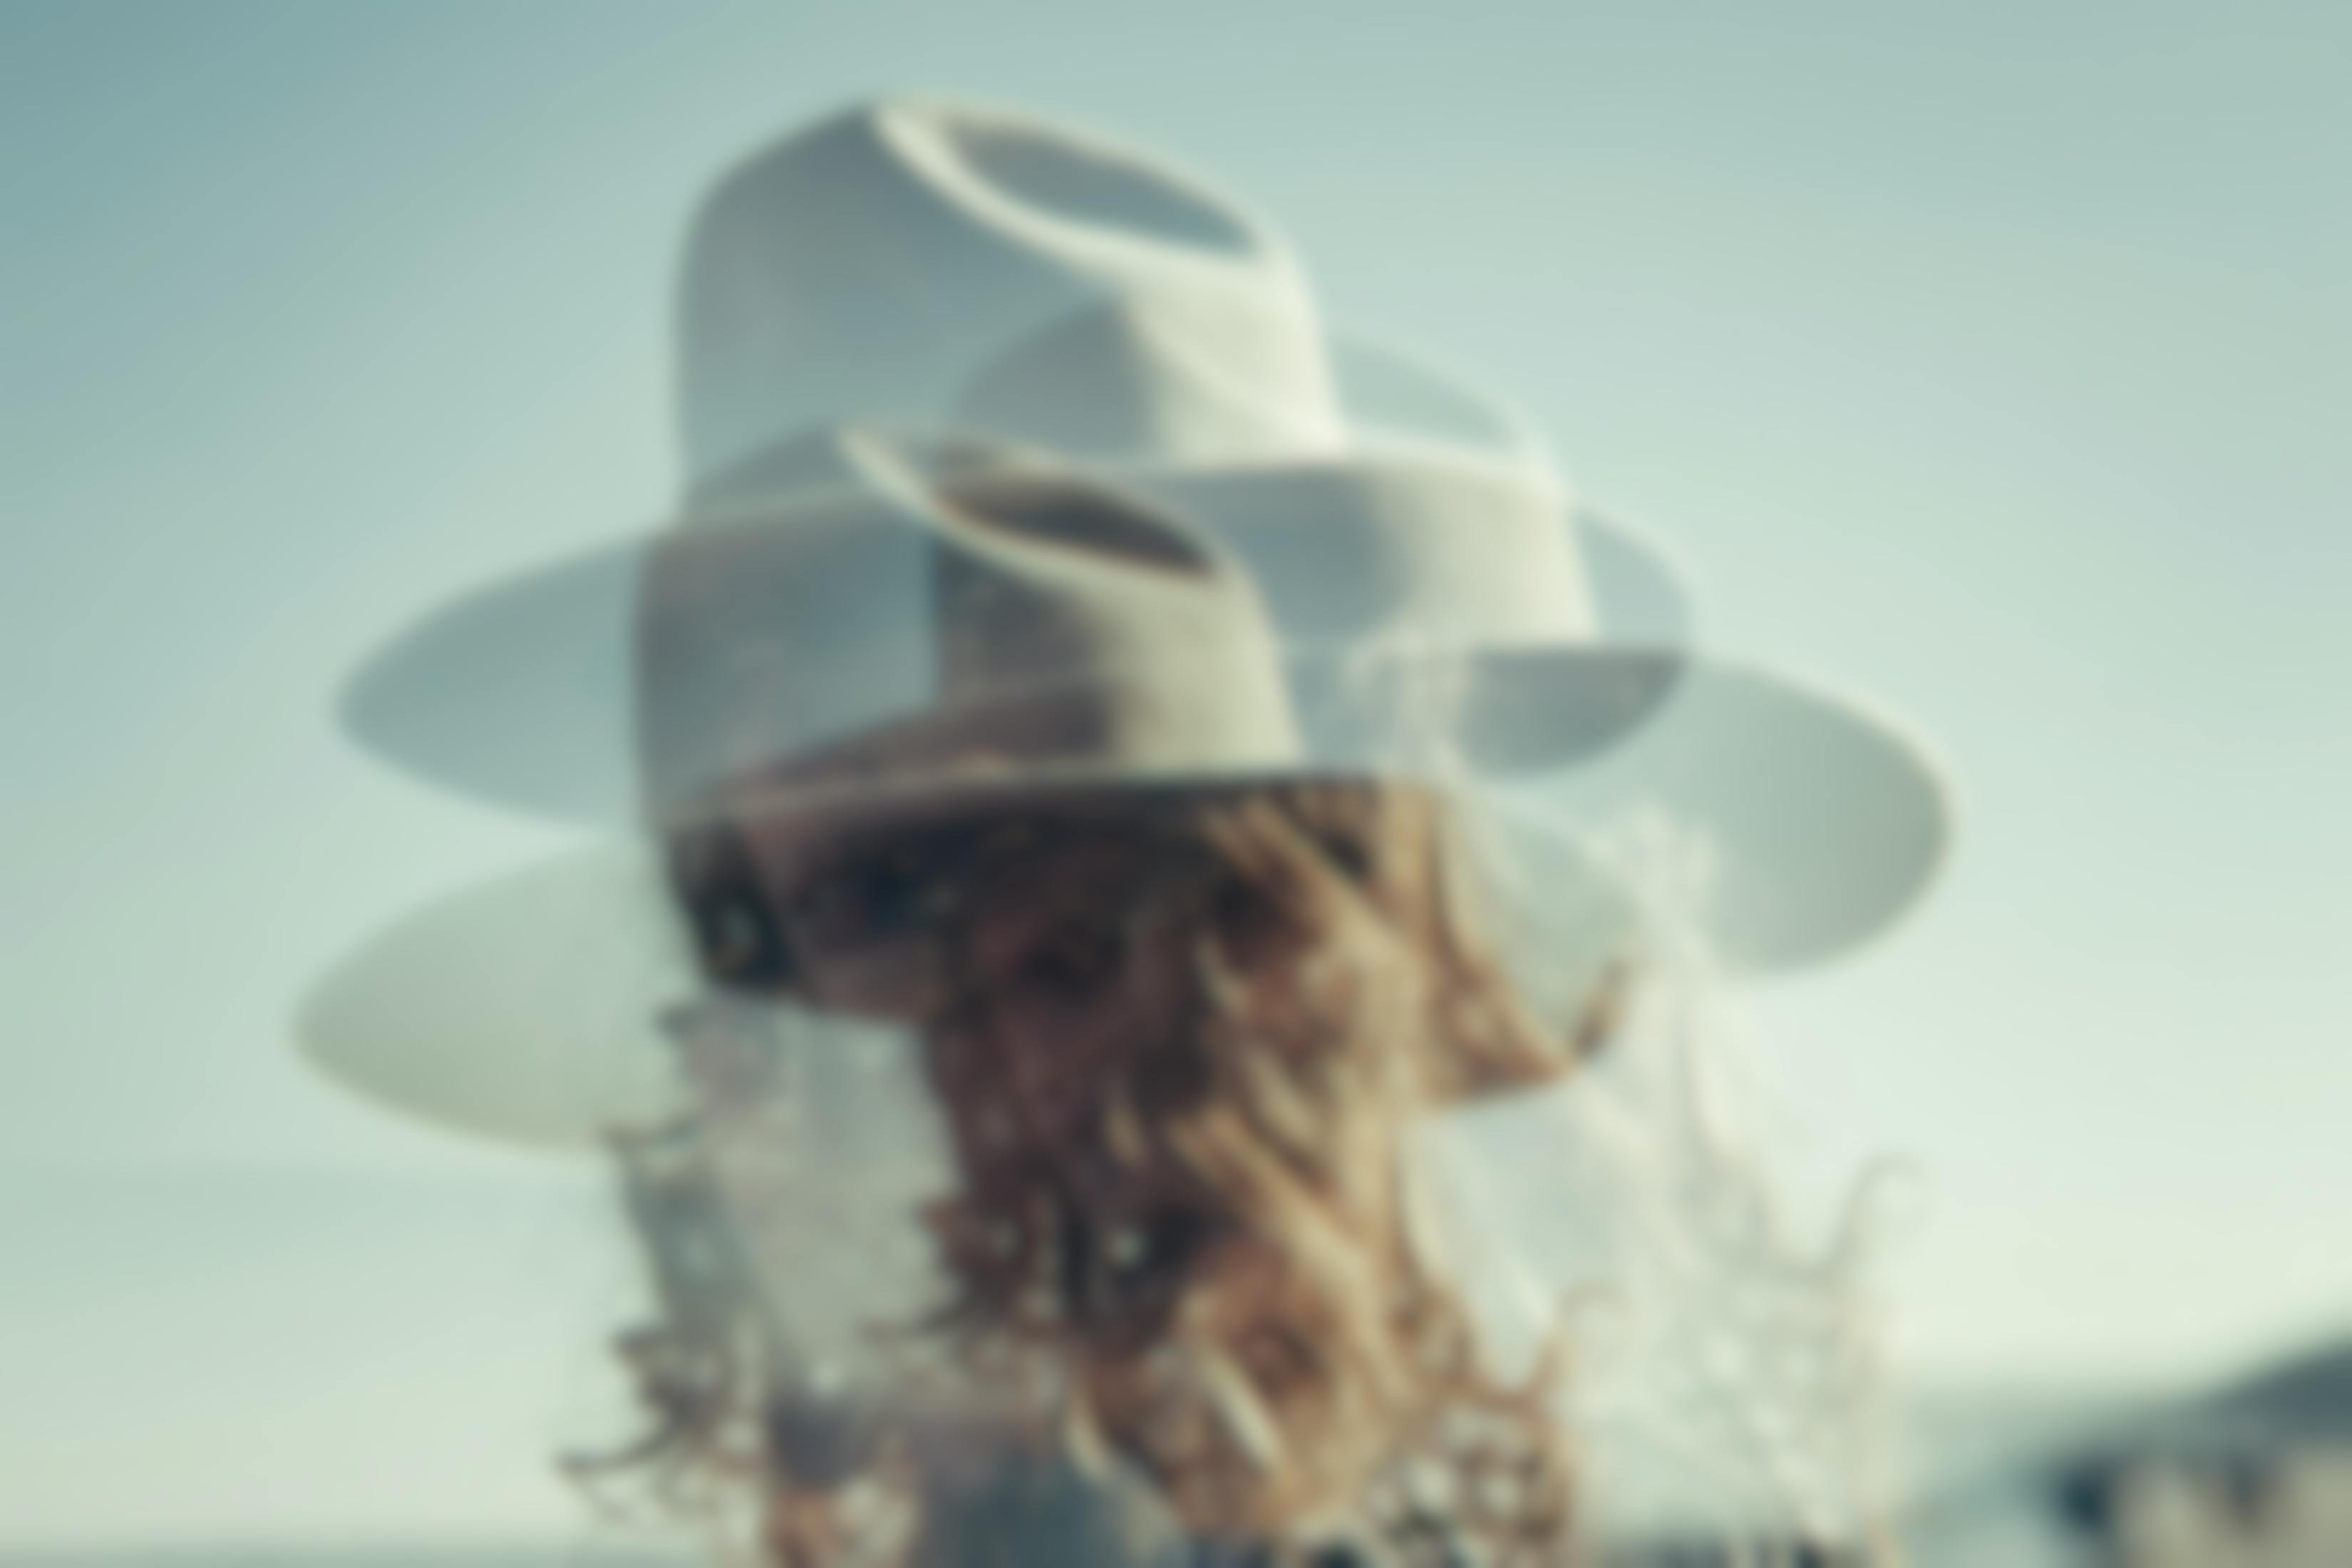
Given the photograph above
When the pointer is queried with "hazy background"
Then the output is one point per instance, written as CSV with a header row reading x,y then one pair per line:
x,y
1993,360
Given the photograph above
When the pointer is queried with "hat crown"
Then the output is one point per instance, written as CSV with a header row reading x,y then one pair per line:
x,y
953,610
871,265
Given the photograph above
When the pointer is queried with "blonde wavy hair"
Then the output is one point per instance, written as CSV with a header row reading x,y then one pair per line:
x,y
1203,1264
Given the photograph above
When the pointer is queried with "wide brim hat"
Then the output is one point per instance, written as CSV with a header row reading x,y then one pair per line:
x,y
644,678
1437,605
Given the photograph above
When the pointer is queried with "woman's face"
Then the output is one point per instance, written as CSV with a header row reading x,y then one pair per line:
x,y
1059,932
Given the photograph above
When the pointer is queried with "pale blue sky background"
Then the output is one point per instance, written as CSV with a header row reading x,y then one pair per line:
x,y
1995,360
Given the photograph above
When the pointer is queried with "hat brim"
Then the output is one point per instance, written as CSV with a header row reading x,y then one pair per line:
x,y
1820,820
524,1009
534,1007
524,692
1825,815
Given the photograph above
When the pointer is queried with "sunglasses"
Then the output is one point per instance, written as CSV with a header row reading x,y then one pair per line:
x,y
897,889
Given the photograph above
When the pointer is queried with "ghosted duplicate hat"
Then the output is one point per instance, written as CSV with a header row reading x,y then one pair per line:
x,y
1129,513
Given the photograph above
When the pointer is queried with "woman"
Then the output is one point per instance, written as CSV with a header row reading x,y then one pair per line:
x,y
1090,875
1127,1249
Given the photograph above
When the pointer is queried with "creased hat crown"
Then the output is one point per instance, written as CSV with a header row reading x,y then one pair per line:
x,y
870,265
958,612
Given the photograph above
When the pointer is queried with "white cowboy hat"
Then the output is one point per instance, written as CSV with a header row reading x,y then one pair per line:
x,y
944,629
1435,595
